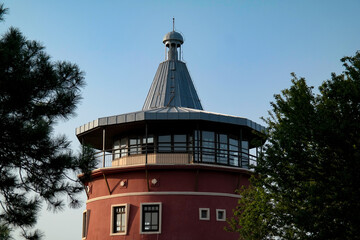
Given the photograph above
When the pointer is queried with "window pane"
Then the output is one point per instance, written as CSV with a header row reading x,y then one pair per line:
x,y
154,218
234,142
179,143
208,136
147,218
234,152
119,219
116,151
179,138
118,222
164,143
150,218
150,139
123,146
204,214
135,147
223,138
123,222
133,141
164,138
208,146
220,215
222,149
123,142
245,154
180,147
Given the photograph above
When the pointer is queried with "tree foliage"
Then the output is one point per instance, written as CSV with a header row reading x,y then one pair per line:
x,y
35,165
308,177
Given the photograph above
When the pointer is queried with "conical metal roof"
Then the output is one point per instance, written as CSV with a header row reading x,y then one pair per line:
x,y
172,85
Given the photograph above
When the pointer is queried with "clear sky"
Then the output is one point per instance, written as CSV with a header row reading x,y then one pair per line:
x,y
239,54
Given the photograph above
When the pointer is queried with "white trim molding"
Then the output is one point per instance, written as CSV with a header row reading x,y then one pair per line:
x,y
214,194
207,211
223,218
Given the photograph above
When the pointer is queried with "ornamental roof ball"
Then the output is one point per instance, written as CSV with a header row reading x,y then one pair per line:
x,y
174,36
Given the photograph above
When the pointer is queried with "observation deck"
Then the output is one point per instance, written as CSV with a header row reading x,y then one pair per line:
x,y
174,136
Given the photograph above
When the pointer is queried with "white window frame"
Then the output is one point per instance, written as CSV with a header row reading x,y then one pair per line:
x,y
141,217
208,214
85,224
224,215
127,211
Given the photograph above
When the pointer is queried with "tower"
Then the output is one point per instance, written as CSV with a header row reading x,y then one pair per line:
x,y
171,170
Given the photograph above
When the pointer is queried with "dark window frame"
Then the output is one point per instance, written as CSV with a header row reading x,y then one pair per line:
x,y
151,210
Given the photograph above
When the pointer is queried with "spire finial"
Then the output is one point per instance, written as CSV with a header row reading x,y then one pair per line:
x,y
173,24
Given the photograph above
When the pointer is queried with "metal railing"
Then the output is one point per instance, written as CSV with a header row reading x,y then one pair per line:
x,y
153,155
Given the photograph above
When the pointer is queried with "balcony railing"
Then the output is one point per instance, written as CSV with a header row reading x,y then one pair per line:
x,y
200,155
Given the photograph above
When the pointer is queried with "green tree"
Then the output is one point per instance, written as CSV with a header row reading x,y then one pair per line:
x,y
308,177
35,165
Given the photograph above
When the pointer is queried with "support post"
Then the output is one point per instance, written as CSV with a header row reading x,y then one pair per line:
x,y
241,149
146,143
103,147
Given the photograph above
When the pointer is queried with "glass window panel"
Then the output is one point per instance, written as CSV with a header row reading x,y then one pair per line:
x,y
135,147
223,138
179,147
123,152
119,219
190,143
164,143
150,139
123,222
179,138
123,142
208,158
222,153
208,146
234,142
234,159
208,136
147,218
245,146
150,218
150,145
197,156
204,214
123,146
220,215
116,144
245,154
164,138
154,218
116,147
164,147
118,222
133,141
234,152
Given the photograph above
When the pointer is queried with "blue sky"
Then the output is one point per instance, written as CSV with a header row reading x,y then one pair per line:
x,y
239,54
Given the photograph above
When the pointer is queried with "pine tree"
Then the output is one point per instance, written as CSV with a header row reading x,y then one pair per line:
x,y
35,165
